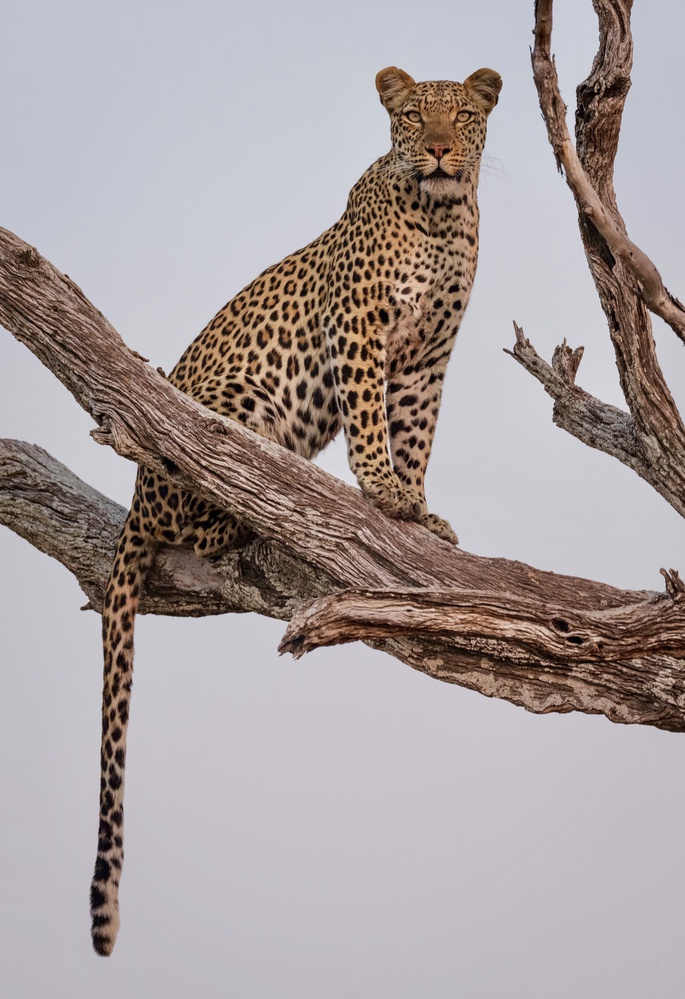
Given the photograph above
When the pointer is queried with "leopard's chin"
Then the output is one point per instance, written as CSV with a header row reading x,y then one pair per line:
x,y
441,183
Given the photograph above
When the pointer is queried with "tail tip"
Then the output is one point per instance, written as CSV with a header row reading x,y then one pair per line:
x,y
105,921
102,945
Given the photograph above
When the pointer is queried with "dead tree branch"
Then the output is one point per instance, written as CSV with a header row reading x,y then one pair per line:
x,y
44,502
315,535
656,625
650,438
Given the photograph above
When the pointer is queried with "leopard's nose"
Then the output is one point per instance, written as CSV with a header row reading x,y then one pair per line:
x,y
437,149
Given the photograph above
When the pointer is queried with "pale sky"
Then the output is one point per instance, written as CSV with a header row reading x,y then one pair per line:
x,y
341,826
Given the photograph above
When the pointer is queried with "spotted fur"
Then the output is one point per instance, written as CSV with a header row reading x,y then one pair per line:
x,y
354,330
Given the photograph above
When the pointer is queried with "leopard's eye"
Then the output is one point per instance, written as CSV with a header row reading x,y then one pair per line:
x,y
413,116
463,116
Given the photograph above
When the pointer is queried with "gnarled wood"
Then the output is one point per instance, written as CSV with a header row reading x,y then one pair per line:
x,y
597,424
534,628
650,438
68,520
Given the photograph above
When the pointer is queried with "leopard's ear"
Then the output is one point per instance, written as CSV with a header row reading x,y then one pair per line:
x,y
483,88
394,86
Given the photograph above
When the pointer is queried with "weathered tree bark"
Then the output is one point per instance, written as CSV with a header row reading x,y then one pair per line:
x,y
543,641
650,437
59,514
656,625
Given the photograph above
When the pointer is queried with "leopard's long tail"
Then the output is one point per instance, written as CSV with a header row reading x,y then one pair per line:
x,y
134,555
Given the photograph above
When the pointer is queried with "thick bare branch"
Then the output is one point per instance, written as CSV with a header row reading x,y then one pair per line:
x,y
536,628
318,535
62,516
280,495
627,281
38,496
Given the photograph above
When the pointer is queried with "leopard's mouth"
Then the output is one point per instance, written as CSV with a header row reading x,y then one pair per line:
x,y
440,174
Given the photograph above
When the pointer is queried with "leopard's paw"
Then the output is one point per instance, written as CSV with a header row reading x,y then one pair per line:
x,y
436,525
390,496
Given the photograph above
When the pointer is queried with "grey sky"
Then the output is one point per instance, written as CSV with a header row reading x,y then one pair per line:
x,y
340,826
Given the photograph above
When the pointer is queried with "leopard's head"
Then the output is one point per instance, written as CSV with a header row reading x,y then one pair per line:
x,y
438,128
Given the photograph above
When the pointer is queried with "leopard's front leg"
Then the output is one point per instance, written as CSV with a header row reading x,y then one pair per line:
x,y
413,403
357,360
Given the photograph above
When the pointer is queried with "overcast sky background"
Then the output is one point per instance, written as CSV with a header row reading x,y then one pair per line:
x,y
340,826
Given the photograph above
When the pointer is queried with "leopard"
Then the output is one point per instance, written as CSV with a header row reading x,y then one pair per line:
x,y
352,332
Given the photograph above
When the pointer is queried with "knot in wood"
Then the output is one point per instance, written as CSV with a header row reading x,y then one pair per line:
x,y
169,467
102,434
29,257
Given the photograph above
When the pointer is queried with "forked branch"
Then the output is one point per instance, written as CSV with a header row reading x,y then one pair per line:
x,y
650,438
612,68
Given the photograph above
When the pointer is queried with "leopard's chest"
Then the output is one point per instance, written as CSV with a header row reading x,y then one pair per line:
x,y
430,291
